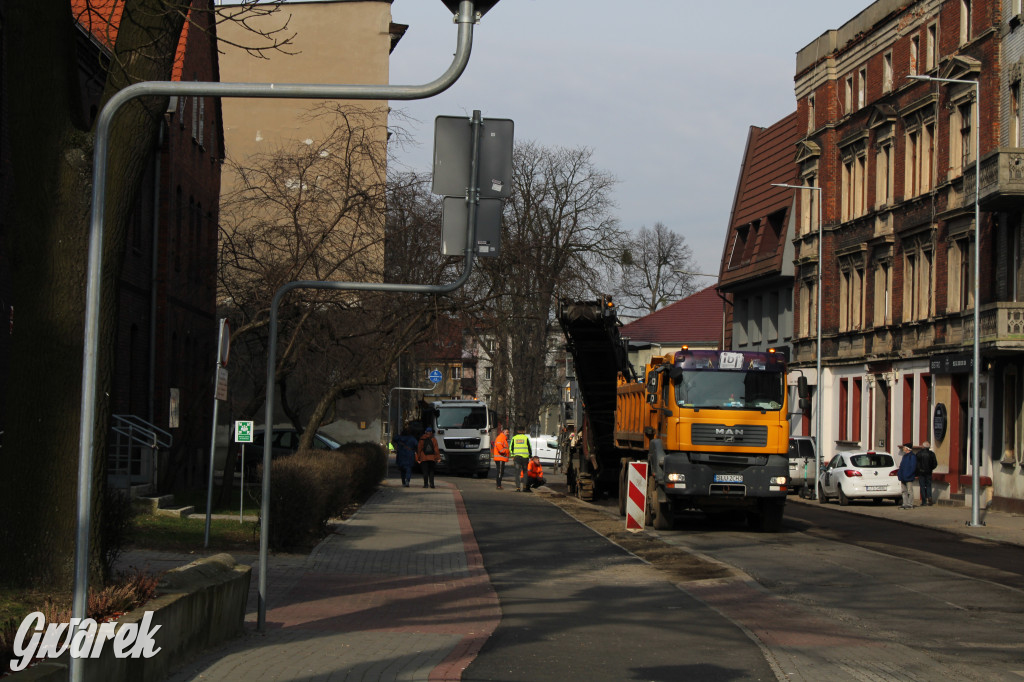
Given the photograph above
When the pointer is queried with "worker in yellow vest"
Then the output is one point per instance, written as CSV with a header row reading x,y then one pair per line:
x,y
521,452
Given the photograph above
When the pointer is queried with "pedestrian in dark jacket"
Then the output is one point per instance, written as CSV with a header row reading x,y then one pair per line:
x,y
405,455
427,456
906,473
926,464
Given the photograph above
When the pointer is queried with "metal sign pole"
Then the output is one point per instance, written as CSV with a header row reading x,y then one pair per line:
x,y
213,431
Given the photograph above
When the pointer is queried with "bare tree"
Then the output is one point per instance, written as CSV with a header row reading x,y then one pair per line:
x,y
558,232
655,268
315,210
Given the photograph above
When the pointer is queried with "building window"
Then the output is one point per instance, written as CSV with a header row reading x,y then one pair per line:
x,y
488,373
851,294
809,201
858,389
917,281
961,275
755,320
1011,416
456,372
915,54
1015,114
862,88
887,72
883,174
965,21
808,309
849,94
961,151
810,114
920,158
932,47
844,408
883,298
854,182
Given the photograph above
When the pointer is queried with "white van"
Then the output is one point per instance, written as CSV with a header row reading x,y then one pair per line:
x,y
545,447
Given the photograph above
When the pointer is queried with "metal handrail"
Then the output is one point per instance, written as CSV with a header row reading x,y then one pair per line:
x,y
129,425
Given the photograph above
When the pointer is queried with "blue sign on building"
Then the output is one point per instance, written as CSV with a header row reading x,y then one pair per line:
x,y
434,376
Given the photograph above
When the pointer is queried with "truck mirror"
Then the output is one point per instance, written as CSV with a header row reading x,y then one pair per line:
x,y
801,387
805,404
676,375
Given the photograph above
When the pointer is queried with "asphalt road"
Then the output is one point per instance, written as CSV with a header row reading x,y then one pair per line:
x,y
576,606
834,596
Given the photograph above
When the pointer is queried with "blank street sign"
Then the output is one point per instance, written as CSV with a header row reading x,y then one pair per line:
x,y
454,220
453,152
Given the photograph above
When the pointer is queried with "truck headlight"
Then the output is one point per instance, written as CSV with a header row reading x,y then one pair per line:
x,y
484,456
777,480
677,478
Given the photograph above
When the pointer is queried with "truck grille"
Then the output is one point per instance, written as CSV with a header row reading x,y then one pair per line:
x,y
738,435
461,443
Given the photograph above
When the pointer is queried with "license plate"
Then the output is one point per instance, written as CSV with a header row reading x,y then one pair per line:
x,y
876,487
728,478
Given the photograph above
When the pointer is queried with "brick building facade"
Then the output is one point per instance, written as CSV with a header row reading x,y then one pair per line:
x,y
894,157
166,339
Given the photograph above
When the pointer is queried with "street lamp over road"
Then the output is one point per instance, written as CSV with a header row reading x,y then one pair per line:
x,y
818,390
975,451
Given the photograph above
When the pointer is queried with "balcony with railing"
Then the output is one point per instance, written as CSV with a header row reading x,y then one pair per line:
x,y
1002,180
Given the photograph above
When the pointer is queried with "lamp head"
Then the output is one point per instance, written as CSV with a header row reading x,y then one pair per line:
x,y
479,6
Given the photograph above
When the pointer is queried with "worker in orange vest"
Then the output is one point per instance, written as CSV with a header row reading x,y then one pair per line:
x,y
535,471
500,452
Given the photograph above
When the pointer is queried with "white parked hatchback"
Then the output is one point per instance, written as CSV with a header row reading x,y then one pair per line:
x,y
860,475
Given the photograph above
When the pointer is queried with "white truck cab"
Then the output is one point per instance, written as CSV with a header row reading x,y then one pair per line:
x,y
464,431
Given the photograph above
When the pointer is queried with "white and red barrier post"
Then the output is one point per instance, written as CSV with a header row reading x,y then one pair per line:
x,y
636,495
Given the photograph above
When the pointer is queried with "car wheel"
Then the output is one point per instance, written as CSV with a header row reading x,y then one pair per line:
x,y
821,495
844,501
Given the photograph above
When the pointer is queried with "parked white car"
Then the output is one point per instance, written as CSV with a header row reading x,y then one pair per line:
x,y
545,447
860,475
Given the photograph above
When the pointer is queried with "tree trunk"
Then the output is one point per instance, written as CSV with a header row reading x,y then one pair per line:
x,y
46,232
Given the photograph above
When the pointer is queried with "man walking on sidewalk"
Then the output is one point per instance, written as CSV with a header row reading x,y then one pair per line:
x,y
501,454
926,464
521,456
906,473
427,456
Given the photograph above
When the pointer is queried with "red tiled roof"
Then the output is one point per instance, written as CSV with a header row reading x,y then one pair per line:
x,y
694,319
101,18
754,247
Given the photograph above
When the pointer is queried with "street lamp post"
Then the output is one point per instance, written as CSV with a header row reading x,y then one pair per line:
x,y
818,389
975,451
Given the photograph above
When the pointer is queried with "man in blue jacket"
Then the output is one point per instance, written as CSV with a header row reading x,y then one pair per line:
x,y
906,474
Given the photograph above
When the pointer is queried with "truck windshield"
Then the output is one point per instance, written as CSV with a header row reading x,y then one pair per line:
x,y
462,418
735,390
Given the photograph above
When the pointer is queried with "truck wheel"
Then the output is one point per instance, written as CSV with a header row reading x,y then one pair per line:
x,y
623,481
652,497
663,516
770,520
585,489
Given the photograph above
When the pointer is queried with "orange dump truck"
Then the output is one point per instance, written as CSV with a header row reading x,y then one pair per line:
x,y
712,425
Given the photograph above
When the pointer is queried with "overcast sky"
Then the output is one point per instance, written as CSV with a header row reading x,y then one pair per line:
x,y
664,91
